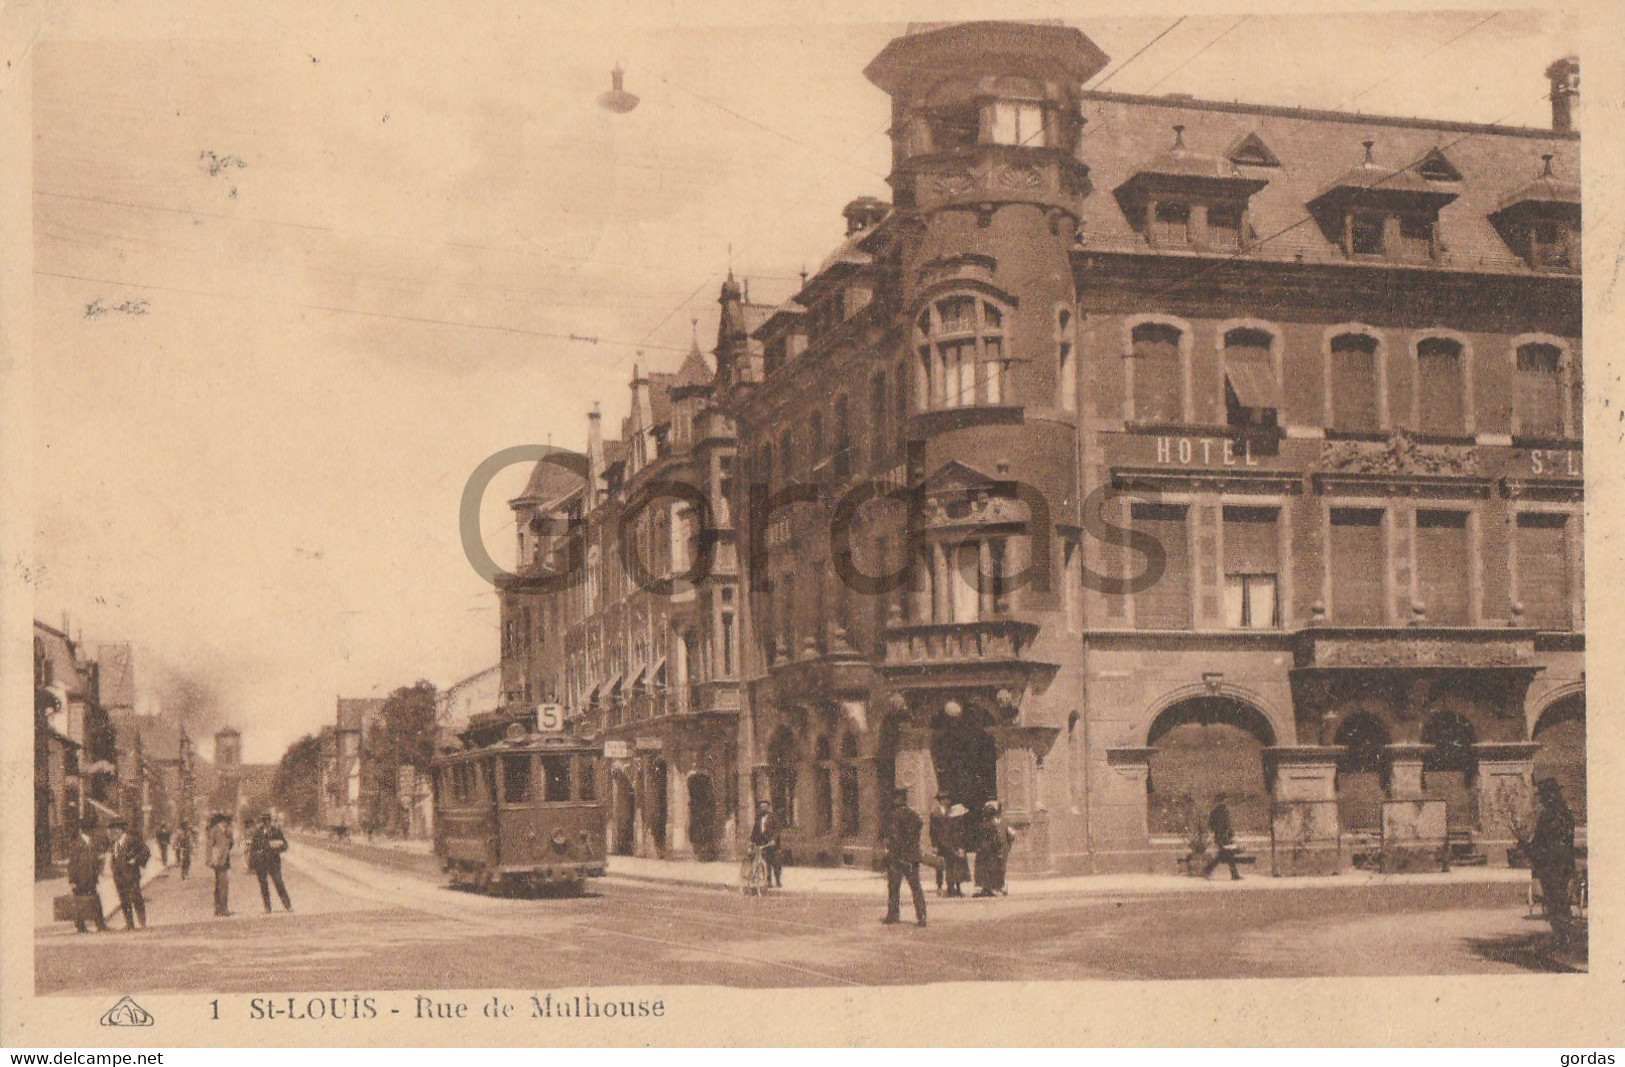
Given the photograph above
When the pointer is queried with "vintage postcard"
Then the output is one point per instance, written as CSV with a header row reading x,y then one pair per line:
x,y
868,525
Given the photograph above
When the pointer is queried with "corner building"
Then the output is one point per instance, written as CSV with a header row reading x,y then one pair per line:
x,y
1144,448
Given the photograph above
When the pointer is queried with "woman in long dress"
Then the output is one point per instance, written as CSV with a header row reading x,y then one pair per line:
x,y
993,851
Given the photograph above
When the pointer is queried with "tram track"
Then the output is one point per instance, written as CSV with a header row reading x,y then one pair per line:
x,y
485,915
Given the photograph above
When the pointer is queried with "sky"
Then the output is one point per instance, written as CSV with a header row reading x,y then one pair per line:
x,y
298,273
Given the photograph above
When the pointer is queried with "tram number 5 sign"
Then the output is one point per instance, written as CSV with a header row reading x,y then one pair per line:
x,y
549,718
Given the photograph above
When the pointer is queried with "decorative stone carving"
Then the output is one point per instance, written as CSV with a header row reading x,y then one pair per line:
x,y
1400,454
952,182
1419,652
1018,177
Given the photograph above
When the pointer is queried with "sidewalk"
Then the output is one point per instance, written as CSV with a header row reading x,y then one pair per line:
x,y
846,881
51,888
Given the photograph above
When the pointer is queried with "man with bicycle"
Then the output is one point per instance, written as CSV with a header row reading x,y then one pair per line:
x,y
764,838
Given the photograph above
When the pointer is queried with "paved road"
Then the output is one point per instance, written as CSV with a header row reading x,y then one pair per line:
x,y
358,925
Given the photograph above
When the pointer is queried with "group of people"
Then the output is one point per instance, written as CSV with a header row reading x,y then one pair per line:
x,y
125,854
953,836
957,834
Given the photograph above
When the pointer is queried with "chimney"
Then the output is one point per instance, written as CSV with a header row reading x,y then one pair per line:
x,y
595,454
1565,78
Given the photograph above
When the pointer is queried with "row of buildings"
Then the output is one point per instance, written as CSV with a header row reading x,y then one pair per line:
x,y
98,756
1138,449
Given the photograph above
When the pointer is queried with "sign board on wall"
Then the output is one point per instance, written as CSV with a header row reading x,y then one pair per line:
x,y
617,750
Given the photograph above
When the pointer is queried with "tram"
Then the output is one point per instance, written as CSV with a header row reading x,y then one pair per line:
x,y
516,809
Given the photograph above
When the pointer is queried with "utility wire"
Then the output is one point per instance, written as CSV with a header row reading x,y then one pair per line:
x,y
1193,56
1143,49
1418,59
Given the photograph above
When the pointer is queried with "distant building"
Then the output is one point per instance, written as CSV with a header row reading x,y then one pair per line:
x,y
346,802
457,703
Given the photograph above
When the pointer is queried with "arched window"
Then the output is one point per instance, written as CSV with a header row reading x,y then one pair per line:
x,y
1356,403
1361,771
1450,766
1157,372
1203,747
1252,392
1538,401
960,341
1441,391
1561,731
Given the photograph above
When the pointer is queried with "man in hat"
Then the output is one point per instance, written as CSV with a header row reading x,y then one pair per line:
x,y
942,839
185,839
84,871
993,851
901,846
265,848
1551,856
218,857
130,854
1224,839
163,837
764,835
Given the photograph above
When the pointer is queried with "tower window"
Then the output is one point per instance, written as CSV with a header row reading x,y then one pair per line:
x,y
961,352
1019,122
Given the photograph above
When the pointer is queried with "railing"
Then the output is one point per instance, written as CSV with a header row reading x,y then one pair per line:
x,y
1000,640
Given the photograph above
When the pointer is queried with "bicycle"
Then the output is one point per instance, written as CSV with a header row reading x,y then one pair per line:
x,y
754,873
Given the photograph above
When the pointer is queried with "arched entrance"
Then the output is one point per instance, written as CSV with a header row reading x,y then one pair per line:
x,y
1450,768
702,815
1203,747
964,755
1362,771
781,775
1561,732
622,807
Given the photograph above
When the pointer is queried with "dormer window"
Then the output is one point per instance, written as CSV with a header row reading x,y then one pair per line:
x,y
1186,199
1554,245
1541,222
1374,212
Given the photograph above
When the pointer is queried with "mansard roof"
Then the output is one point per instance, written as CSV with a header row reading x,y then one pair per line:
x,y
1319,151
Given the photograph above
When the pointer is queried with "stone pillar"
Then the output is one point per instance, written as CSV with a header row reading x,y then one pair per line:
x,y
1414,832
1305,837
915,771
1405,769
1505,794
677,843
942,607
1119,810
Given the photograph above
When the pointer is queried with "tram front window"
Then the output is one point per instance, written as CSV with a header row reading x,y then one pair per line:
x,y
584,777
556,778
516,778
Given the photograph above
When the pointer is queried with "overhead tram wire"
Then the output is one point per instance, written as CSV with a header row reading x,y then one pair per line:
x,y
1194,55
1432,51
1143,49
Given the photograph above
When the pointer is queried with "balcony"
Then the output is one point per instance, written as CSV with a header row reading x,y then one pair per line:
x,y
963,653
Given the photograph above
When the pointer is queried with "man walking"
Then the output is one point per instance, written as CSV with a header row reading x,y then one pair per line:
x,y
184,841
163,842
764,836
265,849
1551,857
942,839
130,854
901,845
219,858
84,871
1224,839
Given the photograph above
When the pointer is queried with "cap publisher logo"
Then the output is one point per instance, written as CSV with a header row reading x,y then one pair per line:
x,y
127,1013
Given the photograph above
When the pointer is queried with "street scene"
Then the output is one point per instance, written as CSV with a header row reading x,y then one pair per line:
x,y
1071,528
381,919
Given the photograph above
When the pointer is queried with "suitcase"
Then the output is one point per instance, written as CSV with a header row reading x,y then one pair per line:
x,y
71,907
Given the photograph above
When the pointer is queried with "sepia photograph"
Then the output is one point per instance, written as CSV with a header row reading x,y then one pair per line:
x,y
539,516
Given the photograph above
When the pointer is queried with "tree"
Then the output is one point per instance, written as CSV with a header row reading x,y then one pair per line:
x,y
403,737
295,786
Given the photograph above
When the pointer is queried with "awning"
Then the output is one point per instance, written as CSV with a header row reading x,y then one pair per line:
x,y
637,681
1252,376
657,676
614,687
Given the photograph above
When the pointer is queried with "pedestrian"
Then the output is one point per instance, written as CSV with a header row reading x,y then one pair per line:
x,y
84,871
764,836
218,857
993,851
1551,857
901,847
958,863
265,848
130,854
184,840
163,842
1224,839
942,838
